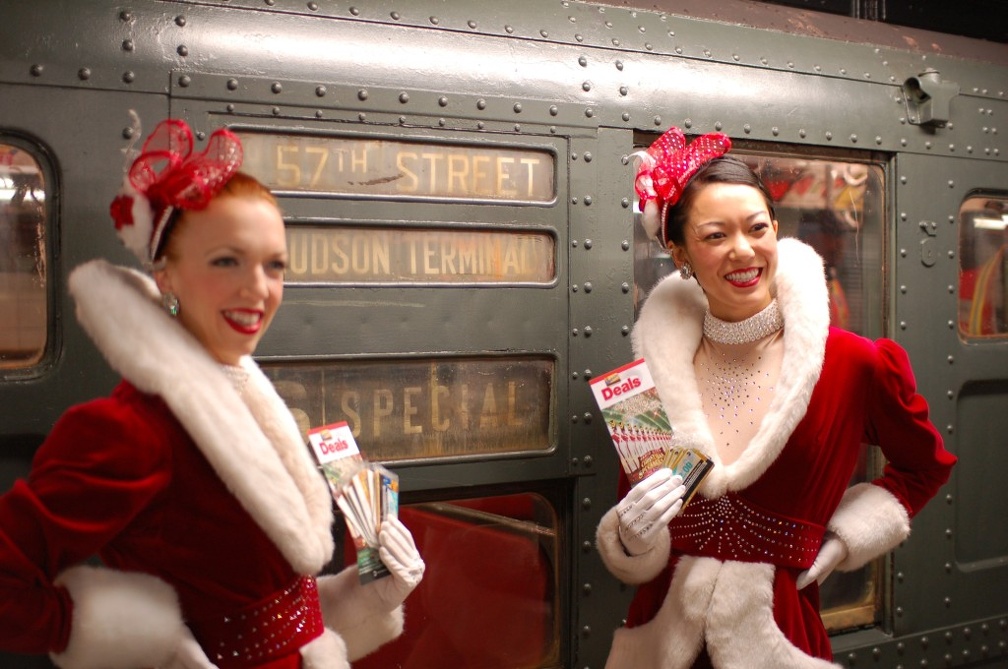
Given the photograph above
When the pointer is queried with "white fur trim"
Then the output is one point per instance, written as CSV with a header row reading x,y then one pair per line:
x,y
730,604
272,474
668,334
632,569
326,651
871,522
121,620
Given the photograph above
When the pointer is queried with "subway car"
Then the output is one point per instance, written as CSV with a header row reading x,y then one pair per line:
x,y
466,255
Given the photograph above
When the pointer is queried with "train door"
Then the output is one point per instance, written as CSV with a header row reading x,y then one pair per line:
x,y
426,306
950,314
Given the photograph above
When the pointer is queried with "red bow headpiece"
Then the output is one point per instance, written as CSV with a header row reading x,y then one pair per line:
x,y
167,175
665,169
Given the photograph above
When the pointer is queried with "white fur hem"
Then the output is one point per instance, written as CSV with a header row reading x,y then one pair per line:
x,y
121,620
728,606
631,569
870,521
325,652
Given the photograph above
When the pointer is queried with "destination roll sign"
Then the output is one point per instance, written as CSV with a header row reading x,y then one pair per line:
x,y
396,169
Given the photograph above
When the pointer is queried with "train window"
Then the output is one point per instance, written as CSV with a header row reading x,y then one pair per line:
x,y
394,169
23,307
419,409
492,567
357,254
983,271
837,207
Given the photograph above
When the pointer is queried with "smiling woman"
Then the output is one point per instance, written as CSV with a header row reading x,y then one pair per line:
x,y
191,481
224,266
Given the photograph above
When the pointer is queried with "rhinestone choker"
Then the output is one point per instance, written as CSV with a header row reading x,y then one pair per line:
x,y
747,331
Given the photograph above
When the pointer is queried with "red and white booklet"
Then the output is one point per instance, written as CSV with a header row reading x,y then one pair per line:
x,y
365,492
640,429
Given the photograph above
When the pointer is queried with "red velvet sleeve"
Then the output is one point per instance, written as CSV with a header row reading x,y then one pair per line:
x,y
99,467
917,464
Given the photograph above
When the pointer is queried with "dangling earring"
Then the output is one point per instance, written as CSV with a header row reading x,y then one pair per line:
x,y
170,304
685,270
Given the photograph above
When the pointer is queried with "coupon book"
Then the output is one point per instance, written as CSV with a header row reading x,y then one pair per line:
x,y
366,493
640,428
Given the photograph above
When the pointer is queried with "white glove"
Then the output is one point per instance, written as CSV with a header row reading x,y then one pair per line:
x,y
647,510
399,553
832,552
188,654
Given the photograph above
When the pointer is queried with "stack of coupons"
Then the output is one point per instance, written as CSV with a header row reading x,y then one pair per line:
x,y
640,429
365,492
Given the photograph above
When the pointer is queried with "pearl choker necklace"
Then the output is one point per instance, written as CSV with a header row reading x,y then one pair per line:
x,y
236,375
747,331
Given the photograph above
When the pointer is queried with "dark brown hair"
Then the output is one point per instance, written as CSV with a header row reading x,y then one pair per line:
x,y
723,170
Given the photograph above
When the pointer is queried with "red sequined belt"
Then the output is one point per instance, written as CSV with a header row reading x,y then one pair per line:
x,y
733,528
271,628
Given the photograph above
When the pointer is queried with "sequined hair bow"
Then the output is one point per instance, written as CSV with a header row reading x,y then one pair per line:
x,y
168,175
666,167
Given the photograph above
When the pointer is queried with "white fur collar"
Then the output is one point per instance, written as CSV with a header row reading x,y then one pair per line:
x,y
272,474
668,334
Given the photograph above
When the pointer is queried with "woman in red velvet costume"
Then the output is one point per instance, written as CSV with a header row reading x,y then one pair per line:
x,y
191,482
751,373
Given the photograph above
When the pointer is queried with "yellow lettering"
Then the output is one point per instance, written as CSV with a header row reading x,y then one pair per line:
x,y
319,253
482,185
512,413
349,404
341,261
382,409
437,391
488,414
429,251
458,170
409,411
448,251
433,159
413,181
530,163
504,174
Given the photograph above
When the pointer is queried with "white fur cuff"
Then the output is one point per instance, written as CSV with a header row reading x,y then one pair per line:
x,y
870,521
630,569
121,620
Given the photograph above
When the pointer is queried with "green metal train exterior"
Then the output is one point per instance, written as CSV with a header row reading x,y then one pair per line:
x,y
456,178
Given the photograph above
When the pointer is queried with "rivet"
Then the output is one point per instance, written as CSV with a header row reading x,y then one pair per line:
x,y
84,73
625,245
230,107
747,128
625,330
36,70
320,91
313,6
582,61
544,33
688,123
623,90
128,77
586,86
472,24
434,20
657,120
277,88
625,202
553,110
775,131
589,112
395,15
362,95
481,104
127,45
853,139
180,21
829,135
184,81
442,101
802,133
588,331
625,287
509,30
182,50
276,111
587,243
718,126
404,97
588,286
125,16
